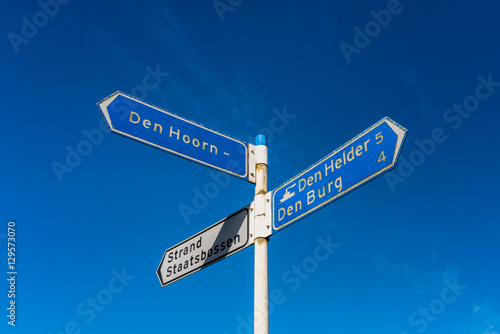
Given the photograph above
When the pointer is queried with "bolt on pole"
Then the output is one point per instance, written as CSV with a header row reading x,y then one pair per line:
x,y
261,283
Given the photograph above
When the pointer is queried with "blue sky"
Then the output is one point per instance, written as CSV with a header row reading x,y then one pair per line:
x,y
414,251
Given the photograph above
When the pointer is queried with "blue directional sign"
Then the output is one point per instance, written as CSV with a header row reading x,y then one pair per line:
x,y
370,154
161,129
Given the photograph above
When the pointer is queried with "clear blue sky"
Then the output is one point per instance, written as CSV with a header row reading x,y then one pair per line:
x,y
415,251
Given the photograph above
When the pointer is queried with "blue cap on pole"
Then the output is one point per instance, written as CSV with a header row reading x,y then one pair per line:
x,y
261,140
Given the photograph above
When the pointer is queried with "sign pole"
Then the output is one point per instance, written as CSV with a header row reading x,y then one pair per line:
x,y
261,278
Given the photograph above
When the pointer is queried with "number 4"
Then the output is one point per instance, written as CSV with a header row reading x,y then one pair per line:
x,y
381,157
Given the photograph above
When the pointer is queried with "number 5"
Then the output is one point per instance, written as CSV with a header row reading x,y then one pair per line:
x,y
379,136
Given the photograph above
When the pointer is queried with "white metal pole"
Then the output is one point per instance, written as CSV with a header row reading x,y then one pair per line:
x,y
261,286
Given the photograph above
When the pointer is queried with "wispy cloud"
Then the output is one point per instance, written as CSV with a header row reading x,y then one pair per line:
x,y
106,42
485,317
394,269
165,29
424,282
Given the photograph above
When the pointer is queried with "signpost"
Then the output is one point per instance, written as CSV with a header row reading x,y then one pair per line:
x,y
215,243
363,158
132,118
357,162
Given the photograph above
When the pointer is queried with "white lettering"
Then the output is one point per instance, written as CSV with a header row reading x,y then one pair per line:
x,y
173,132
132,114
310,197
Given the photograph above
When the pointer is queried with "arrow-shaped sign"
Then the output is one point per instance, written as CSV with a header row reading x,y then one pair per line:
x,y
213,244
132,118
368,155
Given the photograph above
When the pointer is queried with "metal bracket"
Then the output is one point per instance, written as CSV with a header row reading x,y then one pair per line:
x,y
262,215
251,220
251,162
